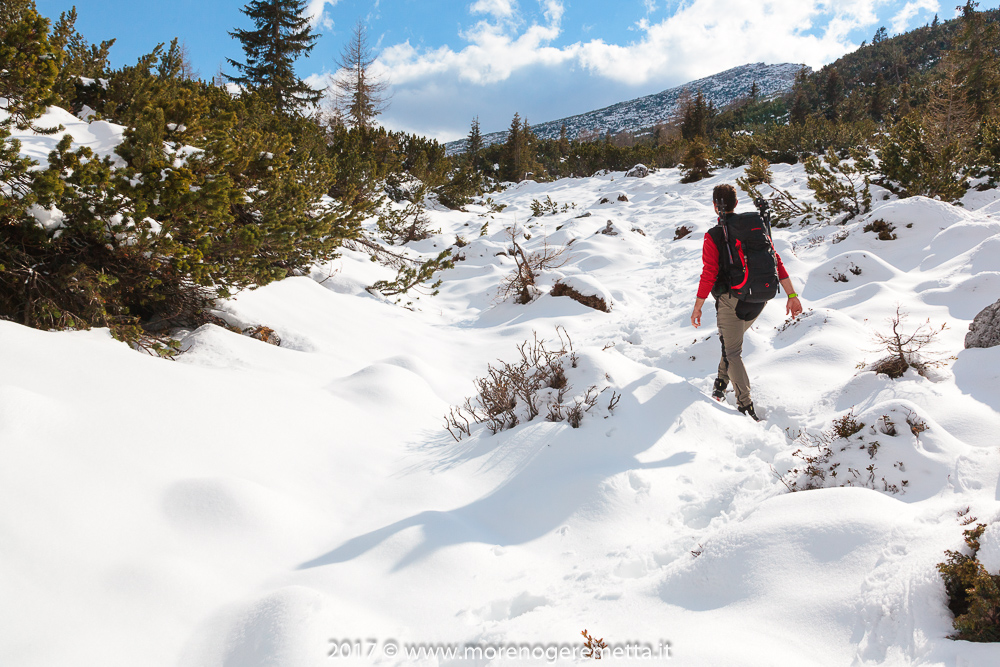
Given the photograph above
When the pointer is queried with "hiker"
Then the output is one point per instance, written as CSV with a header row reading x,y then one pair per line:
x,y
739,268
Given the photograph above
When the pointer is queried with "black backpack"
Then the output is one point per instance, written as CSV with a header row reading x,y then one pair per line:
x,y
748,265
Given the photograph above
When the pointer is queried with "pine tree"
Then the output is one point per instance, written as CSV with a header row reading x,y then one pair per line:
x,y
80,59
926,153
903,105
363,95
833,94
15,11
800,108
977,60
563,141
512,161
28,62
697,163
694,117
804,97
948,114
175,63
282,34
658,135
474,145
879,104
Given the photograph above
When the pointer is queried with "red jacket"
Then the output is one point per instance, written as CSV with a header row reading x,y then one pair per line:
x,y
710,267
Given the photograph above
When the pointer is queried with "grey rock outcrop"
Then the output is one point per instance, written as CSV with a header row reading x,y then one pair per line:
x,y
985,329
638,171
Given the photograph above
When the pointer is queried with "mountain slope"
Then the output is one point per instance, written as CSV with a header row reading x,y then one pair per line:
x,y
644,112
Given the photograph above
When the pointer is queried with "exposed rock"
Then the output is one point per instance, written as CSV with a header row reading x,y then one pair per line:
x,y
985,329
219,322
681,232
638,171
638,230
609,229
619,196
263,333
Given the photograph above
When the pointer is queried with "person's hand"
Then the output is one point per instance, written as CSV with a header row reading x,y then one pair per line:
x,y
793,307
696,316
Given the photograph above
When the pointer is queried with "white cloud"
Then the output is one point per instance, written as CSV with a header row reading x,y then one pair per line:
x,y
494,52
901,21
499,9
318,16
700,38
508,62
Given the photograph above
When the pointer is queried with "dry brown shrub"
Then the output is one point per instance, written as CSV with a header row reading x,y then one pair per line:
x,y
591,301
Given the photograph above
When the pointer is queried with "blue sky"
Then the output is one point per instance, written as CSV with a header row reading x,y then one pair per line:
x,y
451,60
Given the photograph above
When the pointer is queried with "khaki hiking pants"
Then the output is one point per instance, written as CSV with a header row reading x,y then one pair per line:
x,y
731,330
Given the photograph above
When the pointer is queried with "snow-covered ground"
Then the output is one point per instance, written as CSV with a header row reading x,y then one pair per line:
x,y
247,504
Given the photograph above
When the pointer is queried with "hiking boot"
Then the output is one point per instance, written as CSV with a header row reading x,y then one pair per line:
x,y
748,410
719,389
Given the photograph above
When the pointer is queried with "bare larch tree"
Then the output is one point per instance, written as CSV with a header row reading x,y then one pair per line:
x,y
363,95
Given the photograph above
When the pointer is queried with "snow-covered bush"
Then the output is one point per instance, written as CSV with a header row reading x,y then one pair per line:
x,y
534,385
206,193
406,225
843,186
906,349
520,284
540,208
973,593
845,455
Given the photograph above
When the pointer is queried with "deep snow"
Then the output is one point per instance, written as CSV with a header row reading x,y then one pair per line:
x,y
247,503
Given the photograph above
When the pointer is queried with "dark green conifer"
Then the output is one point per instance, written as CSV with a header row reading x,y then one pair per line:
x,y
697,163
879,104
800,108
512,163
474,145
833,94
695,114
282,34
28,62
79,59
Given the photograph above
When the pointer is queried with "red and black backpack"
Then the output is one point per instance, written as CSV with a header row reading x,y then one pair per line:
x,y
748,264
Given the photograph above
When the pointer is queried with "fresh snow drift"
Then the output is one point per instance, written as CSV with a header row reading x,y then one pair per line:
x,y
248,504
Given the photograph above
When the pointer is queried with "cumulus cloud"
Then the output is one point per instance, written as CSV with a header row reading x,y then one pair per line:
x,y
318,16
901,21
509,61
493,53
701,37
500,9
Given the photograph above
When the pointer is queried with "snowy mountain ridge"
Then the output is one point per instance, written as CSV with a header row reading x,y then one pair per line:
x,y
645,112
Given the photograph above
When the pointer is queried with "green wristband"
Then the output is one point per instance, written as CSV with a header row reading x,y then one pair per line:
x,y
793,295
